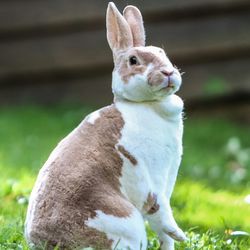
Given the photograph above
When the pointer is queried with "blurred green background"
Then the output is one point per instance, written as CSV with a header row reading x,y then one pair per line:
x,y
212,190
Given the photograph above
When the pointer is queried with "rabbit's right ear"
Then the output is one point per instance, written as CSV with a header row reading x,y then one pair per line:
x,y
118,31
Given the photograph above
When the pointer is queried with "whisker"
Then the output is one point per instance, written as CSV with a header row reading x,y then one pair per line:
x,y
179,69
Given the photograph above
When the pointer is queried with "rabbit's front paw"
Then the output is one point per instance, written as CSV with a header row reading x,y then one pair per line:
x,y
175,233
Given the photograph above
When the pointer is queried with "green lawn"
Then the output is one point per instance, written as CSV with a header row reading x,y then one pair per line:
x,y
209,198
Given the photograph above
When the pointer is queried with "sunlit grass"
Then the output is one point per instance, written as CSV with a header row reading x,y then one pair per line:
x,y
208,200
217,209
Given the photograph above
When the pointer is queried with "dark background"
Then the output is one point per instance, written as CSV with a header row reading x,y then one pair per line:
x,y
56,51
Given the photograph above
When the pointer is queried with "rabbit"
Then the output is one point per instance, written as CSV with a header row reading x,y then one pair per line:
x,y
119,166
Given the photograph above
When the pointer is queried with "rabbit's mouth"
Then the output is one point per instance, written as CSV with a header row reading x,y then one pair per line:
x,y
168,84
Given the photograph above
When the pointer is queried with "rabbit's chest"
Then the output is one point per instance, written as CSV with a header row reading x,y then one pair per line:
x,y
154,143
153,138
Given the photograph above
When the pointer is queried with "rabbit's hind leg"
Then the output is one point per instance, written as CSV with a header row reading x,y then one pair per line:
x,y
126,232
167,243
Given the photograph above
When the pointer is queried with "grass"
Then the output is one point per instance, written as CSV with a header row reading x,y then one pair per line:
x,y
209,198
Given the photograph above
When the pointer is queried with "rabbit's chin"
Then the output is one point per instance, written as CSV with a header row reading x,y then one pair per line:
x,y
138,89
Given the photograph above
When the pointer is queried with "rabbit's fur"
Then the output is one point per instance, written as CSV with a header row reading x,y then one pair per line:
x,y
119,166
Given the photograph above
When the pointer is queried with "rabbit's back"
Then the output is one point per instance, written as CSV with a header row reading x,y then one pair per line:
x,y
80,177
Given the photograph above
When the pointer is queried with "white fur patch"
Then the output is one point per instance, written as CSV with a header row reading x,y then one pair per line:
x,y
137,89
126,233
152,133
91,118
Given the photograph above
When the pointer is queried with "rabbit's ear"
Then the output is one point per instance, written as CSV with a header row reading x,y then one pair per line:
x,y
135,21
118,31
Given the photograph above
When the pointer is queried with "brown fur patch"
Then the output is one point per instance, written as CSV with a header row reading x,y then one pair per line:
x,y
127,71
151,206
130,157
155,78
149,57
82,179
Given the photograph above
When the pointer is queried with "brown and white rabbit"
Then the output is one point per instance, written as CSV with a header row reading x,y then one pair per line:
x,y
119,166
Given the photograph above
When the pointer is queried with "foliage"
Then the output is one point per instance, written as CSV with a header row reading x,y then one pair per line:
x,y
211,191
215,86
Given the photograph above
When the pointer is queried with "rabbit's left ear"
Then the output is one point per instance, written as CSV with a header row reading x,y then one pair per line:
x,y
135,21
118,31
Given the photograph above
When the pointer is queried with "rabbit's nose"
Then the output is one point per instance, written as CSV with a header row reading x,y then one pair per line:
x,y
167,72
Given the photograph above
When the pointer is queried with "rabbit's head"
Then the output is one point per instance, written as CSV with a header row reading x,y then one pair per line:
x,y
141,73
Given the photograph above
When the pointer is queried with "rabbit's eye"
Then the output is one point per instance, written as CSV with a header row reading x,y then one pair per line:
x,y
133,60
